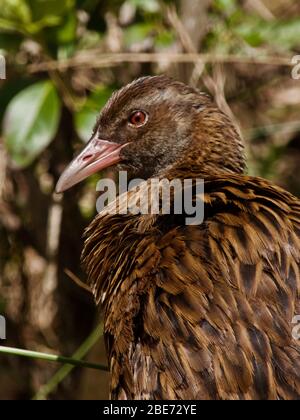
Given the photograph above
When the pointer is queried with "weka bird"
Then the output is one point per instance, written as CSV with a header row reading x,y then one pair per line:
x,y
192,312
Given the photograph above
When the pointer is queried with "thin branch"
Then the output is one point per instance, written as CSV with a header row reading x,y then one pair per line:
x,y
187,44
216,85
47,304
259,7
77,280
72,103
95,59
3,163
179,28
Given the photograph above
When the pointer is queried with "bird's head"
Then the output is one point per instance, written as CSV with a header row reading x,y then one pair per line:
x,y
152,124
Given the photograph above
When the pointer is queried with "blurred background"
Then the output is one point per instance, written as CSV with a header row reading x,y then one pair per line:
x,y
63,60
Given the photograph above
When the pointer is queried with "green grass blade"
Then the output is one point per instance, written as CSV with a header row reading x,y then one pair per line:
x,y
50,357
69,362
65,370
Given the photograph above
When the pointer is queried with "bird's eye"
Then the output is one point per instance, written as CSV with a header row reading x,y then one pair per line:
x,y
138,118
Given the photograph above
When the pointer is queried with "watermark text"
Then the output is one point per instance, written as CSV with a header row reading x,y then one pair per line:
x,y
2,67
2,328
156,197
296,68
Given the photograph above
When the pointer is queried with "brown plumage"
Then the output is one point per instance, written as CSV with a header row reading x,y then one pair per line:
x,y
194,312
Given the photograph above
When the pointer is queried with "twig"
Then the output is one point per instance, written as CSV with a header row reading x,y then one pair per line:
x,y
2,168
259,7
96,59
72,103
77,280
187,44
179,28
216,85
47,301
54,226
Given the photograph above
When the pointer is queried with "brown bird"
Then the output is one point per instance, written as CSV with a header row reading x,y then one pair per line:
x,y
201,311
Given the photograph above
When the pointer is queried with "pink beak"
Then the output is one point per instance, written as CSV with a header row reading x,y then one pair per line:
x,y
97,155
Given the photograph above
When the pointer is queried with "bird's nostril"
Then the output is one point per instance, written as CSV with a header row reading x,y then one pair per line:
x,y
87,157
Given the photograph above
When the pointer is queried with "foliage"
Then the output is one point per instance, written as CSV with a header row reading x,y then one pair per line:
x,y
27,138
53,25
57,84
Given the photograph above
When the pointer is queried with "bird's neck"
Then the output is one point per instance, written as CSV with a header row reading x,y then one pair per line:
x,y
214,148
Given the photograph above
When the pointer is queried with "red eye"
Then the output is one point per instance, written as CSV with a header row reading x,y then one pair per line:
x,y
138,118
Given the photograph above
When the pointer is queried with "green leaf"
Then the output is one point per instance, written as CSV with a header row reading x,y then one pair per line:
x,y
85,119
89,39
9,89
149,6
42,8
287,34
67,32
164,39
16,11
31,16
64,34
226,6
280,34
137,33
251,32
10,42
57,17
30,122
14,15
48,21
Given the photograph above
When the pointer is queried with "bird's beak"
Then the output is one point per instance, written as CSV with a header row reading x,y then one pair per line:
x,y
97,155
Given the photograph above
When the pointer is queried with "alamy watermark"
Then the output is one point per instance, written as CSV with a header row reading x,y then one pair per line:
x,y
155,196
296,68
2,328
2,67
